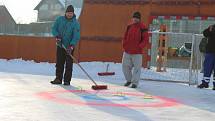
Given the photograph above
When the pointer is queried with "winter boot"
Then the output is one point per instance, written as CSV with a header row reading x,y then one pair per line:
x,y
134,86
204,84
214,85
127,84
66,83
56,81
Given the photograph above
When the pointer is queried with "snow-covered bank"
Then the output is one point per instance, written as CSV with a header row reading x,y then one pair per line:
x,y
44,68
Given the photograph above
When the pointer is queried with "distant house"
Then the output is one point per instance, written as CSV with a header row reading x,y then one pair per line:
x,y
7,23
48,10
75,3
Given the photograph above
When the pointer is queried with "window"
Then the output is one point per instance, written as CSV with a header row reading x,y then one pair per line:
x,y
44,7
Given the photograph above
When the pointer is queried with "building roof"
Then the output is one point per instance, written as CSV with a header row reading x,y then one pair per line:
x,y
77,10
75,3
41,2
5,14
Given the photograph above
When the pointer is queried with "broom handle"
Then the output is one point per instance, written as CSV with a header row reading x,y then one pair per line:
x,y
107,67
76,61
83,69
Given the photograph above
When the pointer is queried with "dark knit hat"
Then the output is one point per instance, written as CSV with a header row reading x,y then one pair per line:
x,y
70,8
137,15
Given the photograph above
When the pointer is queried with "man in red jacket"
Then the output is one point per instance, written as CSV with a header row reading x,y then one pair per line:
x,y
135,39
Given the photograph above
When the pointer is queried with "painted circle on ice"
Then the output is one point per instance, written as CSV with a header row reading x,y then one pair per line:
x,y
106,98
98,98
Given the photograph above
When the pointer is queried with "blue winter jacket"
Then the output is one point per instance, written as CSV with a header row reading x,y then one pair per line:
x,y
67,29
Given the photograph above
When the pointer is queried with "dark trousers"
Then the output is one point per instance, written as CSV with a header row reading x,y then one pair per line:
x,y
209,66
62,59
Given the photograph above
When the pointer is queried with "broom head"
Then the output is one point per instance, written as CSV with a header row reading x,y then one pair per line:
x,y
99,87
106,73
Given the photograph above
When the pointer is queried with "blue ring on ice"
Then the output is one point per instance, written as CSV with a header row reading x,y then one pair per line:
x,y
95,97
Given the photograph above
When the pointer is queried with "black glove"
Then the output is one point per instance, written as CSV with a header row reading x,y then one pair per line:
x,y
69,49
58,40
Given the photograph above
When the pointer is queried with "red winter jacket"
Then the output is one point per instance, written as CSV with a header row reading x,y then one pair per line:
x,y
135,39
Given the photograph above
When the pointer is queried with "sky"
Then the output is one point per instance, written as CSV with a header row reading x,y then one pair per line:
x,y
22,10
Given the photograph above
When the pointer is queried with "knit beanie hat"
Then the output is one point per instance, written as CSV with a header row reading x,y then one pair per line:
x,y
137,15
70,8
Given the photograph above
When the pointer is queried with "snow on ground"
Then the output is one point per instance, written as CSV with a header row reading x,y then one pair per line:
x,y
27,95
30,67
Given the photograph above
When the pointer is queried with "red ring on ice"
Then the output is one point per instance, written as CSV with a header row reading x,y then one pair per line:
x,y
51,96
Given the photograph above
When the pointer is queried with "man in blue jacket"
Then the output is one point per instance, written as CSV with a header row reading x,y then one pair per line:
x,y
66,30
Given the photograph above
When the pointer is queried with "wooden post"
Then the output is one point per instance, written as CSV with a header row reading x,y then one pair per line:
x,y
162,50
